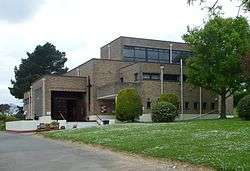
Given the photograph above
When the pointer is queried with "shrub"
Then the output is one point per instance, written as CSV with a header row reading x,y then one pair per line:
x,y
128,105
6,118
2,126
164,112
170,98
243,108
10,118
2,117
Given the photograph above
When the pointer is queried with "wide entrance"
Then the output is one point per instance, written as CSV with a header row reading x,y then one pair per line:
x,y
68,105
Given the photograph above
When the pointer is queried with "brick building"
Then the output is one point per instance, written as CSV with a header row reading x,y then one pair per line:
x,y
150,66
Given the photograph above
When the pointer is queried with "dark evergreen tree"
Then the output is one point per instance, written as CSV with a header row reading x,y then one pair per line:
x,y
45,59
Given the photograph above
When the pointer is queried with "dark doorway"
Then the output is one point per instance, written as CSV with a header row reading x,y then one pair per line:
x,y
68,105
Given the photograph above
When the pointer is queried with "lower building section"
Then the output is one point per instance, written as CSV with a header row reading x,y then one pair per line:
x,y
76,99
69,106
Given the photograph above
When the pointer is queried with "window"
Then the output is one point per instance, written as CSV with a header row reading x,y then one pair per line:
x,y
128,52
164,55
204,105
171,77
212,106
155,76
148,104
146,76
152,55
177,55
195,105
121,79
151,76
133,53
140,53
136,76
186,105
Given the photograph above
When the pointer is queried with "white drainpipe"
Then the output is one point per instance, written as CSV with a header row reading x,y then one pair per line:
x,y
171,53
78,72
182,89
31,99
44,112
109,51
162,81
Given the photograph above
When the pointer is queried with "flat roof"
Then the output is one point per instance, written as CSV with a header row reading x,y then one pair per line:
x,y
146,39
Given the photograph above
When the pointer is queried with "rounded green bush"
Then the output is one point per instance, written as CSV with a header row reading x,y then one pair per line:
x,y
243,108
128,105
164,112
170,98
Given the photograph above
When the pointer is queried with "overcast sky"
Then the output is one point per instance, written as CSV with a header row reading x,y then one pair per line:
x,y
80,27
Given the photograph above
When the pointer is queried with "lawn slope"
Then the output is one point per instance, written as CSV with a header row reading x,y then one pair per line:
x,y
221,144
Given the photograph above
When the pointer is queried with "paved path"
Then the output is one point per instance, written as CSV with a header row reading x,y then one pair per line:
x,y
30,153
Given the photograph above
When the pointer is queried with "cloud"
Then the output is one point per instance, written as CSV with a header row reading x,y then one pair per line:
x,y
15,11
81,27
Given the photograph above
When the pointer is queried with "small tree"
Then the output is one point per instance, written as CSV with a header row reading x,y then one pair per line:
x,y
170,98
217,51
128,105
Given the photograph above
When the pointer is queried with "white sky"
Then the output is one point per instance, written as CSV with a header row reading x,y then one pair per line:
x,y
81,27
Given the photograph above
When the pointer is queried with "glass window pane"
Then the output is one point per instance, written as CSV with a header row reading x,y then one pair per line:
x,y
146,76
164,55
170,77
178,54
140,53
152,53
128,52
155,76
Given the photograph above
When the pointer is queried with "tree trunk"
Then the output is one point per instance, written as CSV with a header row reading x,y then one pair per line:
x,y
223,107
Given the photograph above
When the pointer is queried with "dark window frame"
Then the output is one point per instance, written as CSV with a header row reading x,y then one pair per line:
x,y
212,106
136,77
160,54
196,104
204,105
186,106
148,106
122,80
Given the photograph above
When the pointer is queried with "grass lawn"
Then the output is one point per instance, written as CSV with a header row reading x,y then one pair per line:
x,y
221,144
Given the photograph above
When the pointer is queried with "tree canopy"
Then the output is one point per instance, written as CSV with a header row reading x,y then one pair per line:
x,y
45,59
245,4
218,49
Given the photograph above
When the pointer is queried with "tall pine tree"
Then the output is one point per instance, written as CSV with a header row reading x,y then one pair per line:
x,y
45,59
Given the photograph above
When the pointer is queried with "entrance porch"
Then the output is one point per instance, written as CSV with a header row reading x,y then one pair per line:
x,y
69,106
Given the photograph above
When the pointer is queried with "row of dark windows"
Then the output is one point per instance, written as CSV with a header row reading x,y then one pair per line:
x,y
187,107
132,53
166,77
196,106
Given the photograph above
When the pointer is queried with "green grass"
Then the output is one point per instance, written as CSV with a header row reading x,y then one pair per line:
x,y
221,144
